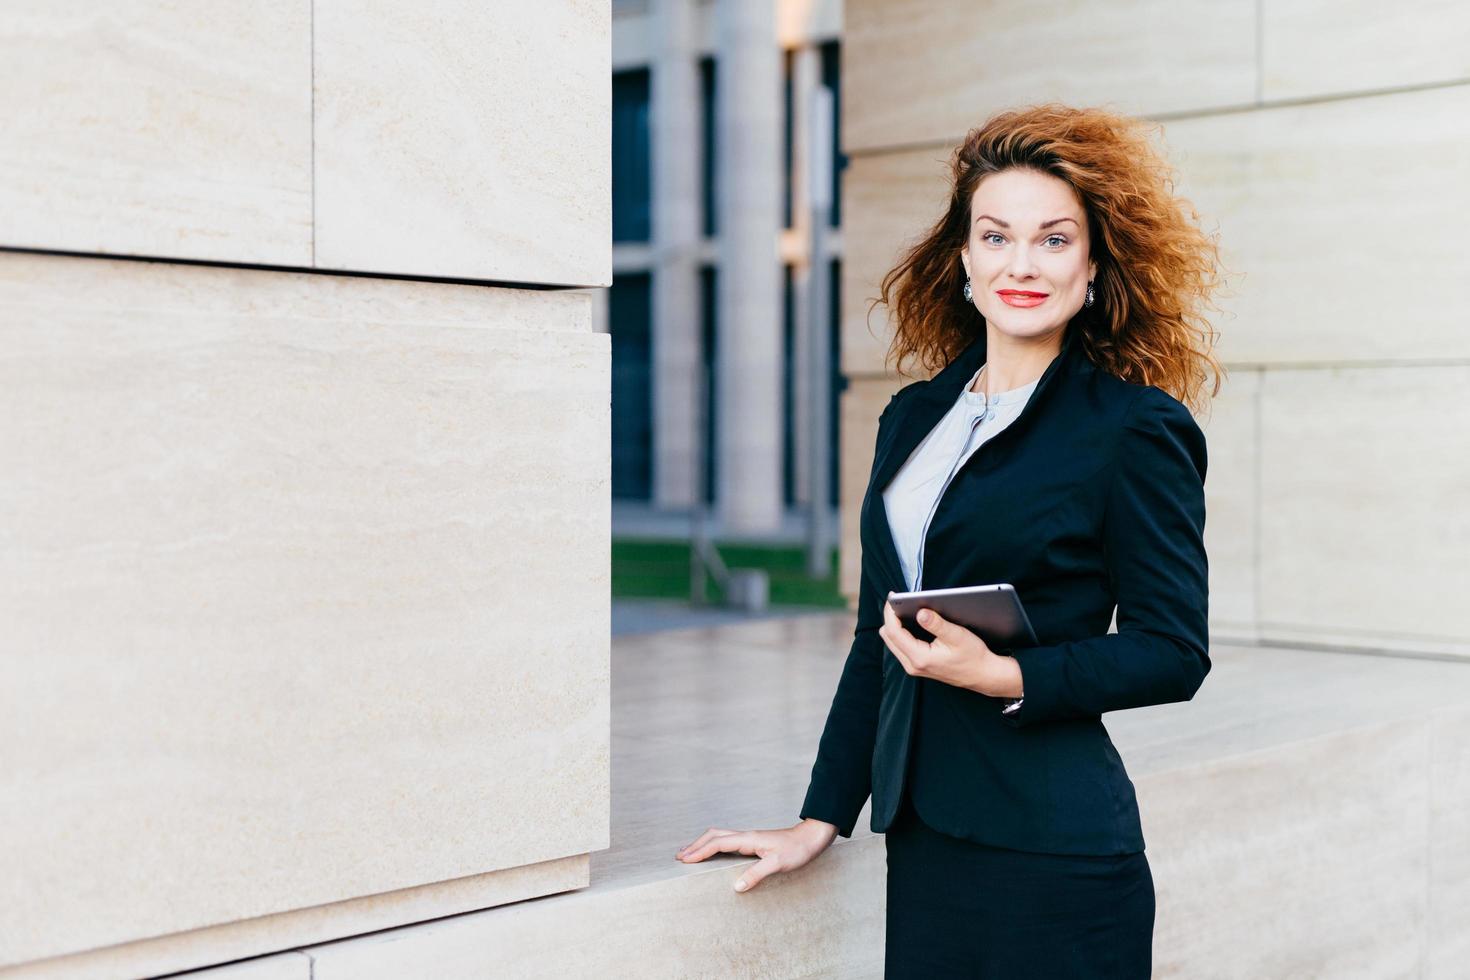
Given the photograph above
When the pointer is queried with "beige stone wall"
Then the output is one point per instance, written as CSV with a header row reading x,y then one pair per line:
x,y
133,128
305,576
1328,145
426,139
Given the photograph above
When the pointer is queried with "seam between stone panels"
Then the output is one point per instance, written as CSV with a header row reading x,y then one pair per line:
x,y
312,62
1202,112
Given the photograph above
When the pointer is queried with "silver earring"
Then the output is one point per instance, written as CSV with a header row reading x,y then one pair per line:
x,y
1089,299
969,293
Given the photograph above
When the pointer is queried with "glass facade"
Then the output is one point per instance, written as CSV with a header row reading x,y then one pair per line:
x,y
630,298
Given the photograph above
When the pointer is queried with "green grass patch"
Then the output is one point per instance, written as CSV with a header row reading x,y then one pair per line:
x,y
659,569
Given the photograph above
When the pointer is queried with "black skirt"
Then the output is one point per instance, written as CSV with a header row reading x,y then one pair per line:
x,y
958,908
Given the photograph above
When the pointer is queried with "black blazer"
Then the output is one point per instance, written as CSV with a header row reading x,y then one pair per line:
x,y
1093,496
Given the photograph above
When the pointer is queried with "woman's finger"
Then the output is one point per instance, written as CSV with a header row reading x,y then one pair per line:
x,y
897,630
942,631
757,872
949,632
904,645
724,842
701,839
890,625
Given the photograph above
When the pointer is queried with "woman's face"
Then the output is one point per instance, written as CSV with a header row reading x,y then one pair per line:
x,y
1028,235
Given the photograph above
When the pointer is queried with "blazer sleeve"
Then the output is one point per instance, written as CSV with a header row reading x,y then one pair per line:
x,y
842,775
1153,539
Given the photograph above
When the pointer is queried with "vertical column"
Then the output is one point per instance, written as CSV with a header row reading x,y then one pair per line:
x,y
748,357
676,238
805,77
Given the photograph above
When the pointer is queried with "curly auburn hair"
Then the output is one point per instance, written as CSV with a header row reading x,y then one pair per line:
x,y
1156,270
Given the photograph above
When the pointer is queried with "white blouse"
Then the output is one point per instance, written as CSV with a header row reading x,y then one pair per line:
x,y
914,493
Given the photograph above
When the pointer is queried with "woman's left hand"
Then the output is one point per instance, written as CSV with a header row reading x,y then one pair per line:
x,y
955,656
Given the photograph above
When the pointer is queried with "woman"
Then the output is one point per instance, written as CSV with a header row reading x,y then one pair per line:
x,y
1061,292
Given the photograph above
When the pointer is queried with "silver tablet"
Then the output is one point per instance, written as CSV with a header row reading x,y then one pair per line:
x,y
993,612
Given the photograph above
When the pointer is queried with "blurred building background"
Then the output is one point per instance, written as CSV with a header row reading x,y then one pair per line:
x,y
711,213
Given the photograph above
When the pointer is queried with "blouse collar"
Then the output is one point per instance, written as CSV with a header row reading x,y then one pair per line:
x,y
1013,397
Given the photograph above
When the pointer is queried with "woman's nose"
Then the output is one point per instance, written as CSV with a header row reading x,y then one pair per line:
x,y
1021,266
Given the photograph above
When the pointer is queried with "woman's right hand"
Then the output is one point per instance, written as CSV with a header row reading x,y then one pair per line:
x,y
780,850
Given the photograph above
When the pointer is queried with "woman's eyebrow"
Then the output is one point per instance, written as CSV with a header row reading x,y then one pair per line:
x,y
1044,224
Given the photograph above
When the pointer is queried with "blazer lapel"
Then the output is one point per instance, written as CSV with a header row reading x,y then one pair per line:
x,y
921,412
917,417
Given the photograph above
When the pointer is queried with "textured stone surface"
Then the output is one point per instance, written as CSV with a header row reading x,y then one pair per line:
x,y
463,141
1307,859
1334,225
890,201
1328,47
1364,530
427,139
1448,940
1232,503
286,590
139,127
926,71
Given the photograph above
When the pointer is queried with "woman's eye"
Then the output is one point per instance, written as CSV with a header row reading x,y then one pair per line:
x,y
987,236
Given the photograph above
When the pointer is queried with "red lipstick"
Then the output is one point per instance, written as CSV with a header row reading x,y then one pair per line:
x,y
1021,297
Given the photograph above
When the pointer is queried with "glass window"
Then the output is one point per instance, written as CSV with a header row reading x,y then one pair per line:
x,y
788,386
708,289
631,155
832,78
788,152
707,139
629,323
837,383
